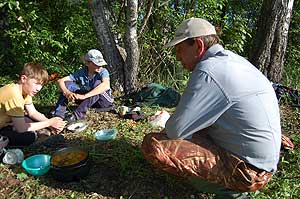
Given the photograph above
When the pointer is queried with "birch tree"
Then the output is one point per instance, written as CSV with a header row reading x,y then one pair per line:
x,y
132,47
124,69
107,39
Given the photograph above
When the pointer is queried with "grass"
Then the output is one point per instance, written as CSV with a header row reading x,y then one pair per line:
x,y
120,171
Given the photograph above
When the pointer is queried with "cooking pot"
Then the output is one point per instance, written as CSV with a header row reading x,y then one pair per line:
x,y
70,164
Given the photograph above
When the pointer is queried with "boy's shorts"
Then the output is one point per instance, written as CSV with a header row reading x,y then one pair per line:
x,y
203,159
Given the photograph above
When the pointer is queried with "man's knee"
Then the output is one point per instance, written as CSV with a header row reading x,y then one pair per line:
x,y
147,144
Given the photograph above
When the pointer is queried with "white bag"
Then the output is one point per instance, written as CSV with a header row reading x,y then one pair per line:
x,y
160,118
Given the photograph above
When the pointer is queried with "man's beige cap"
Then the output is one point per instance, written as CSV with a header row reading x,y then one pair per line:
x,y
190,28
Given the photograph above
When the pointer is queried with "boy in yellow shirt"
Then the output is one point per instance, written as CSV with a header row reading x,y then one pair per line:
x,y
19,120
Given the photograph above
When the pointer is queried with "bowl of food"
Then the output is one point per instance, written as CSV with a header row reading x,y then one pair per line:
x,y
106,134
37,165
77,127
70,163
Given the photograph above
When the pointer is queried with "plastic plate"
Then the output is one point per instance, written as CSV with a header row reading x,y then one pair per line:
x,y
77,127
106,134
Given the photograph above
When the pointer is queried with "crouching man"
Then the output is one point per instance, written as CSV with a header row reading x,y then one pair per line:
x,y
224,136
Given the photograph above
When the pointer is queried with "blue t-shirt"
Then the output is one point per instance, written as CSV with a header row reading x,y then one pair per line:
x,y
82,79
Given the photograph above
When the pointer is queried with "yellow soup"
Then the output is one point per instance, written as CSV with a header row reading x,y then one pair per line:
x,y
68,158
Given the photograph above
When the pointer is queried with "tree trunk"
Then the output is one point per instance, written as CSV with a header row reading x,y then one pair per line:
x,y
131,45
109,47
271,38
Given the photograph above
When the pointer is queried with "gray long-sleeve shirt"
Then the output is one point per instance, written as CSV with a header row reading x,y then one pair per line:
x,y
228,94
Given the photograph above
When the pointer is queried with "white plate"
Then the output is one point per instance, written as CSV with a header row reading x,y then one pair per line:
x,y
77,127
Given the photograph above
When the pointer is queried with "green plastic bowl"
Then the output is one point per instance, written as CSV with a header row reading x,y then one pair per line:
x,y
106,134
37,165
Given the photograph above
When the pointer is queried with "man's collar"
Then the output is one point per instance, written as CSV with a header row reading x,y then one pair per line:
x,y
212,51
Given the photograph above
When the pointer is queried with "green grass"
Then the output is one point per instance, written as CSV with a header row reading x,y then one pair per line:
x,y
286,182
128,174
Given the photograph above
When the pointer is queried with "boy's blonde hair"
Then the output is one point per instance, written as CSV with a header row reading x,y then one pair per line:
x,y
35,71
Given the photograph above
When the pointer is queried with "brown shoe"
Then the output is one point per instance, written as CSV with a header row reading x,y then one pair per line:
x,y
44,132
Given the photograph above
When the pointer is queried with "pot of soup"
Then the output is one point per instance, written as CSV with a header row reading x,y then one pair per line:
x,y
70,164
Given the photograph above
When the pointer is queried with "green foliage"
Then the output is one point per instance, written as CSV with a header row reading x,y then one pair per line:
x,y
48,32
22,176
48,96
234,20
53,33
57,33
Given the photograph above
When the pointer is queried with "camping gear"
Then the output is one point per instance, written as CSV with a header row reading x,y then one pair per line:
x,y
19,153
123,110
160,118
156,94
77,127
37,165
70,164
10,158
106,134
134,115
13,156
284,93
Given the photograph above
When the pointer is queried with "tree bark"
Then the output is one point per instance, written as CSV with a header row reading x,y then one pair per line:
x,y
109,47
271,38
131,45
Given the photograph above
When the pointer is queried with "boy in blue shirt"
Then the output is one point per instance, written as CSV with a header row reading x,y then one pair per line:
x,y
90,86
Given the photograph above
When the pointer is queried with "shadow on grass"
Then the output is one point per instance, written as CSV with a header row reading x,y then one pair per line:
x,y
119,169
118,166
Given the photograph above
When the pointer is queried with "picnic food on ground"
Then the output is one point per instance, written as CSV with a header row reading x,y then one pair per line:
x,y
68,158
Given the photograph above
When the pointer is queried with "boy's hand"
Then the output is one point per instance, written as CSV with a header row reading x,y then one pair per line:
x,y
70,96
79,97
58,124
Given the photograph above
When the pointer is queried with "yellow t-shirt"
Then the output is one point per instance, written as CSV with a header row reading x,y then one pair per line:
x,y
12,103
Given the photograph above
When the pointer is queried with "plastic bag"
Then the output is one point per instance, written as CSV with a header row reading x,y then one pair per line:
x,y
160,118
13,156
156,94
